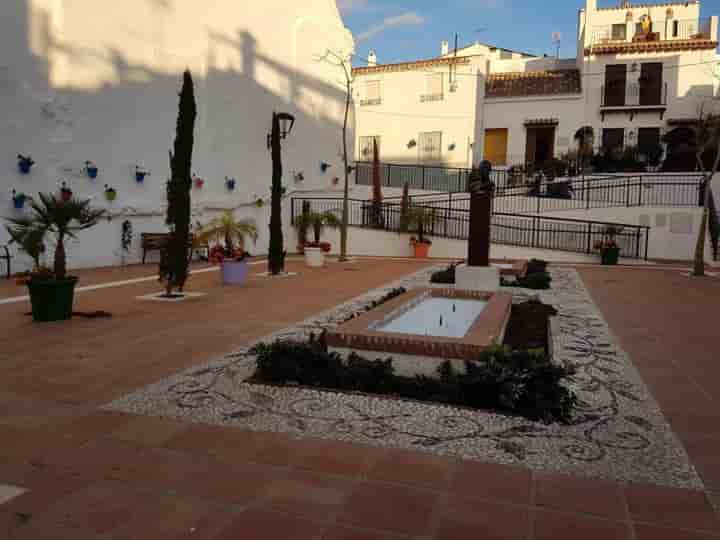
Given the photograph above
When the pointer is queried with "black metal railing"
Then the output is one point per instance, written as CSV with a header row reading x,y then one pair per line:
x,y
634,95
581,194
532,231
714,227
418,176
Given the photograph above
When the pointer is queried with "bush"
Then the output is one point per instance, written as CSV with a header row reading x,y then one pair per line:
x,y
536,265
537,280
446,276
523,382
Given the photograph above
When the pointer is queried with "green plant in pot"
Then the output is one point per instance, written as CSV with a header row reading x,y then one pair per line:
x,y
230,254
608,248
315,221
420,219
52,290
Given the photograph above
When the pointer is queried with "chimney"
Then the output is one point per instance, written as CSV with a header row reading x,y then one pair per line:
x,y
444,48
372,59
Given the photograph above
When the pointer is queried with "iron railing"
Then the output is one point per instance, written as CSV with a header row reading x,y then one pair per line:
x,y
634,95
426,177
714,227
671,29
532,231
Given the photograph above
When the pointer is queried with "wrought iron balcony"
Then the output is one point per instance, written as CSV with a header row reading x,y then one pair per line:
x,y
633,98
431,97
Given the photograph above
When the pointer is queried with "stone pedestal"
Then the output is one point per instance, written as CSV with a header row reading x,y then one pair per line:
x,y
477,278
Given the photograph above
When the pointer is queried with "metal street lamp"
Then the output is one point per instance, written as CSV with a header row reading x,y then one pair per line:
x,y
282,124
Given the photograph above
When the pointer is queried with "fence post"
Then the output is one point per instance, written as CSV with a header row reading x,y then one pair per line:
x,y
357,170
640,190
587,194
422,183
292,211
534,231
388,173
627,192
589,238
637,243
647,241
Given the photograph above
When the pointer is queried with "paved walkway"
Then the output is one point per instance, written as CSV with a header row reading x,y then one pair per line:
x,y
104,475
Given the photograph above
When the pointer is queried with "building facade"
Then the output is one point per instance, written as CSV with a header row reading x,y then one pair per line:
x,y
640,72
89,81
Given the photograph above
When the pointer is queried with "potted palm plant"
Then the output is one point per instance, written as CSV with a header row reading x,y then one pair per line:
x,y
315,251
52,290
231,253
420,219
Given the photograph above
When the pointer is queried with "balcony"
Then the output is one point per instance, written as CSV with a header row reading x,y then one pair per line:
x,y
665,35
633,98
425,98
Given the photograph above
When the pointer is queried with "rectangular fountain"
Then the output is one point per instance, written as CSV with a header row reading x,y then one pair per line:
x,y
422,328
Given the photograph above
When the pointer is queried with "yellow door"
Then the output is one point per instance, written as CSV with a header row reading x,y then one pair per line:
x,y
496,146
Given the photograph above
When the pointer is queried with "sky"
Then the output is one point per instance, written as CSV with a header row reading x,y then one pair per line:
x,y
401,30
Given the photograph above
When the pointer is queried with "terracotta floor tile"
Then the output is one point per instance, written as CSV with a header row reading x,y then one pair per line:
x,y
650,532
416,468
232,484
501,483
581,495
335,457
44,490
705,452
679,508
473,518
227,443
345,533
265,525
307,494
148,430
556,526
389,508
94,424
102,458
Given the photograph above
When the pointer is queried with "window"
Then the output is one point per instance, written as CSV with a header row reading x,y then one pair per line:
x,y
366,147
433,87
430,146
675,28
619,32
651,86
372,93
613,140
615,79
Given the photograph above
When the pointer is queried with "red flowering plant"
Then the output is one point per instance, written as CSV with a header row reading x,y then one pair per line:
x,y
229,236
608,240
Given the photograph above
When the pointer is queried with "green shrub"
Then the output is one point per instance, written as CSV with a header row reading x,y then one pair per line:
x,y
536,265
538,280
519,382
446,276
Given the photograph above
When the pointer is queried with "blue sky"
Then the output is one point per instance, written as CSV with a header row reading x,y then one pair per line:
x,y
402,30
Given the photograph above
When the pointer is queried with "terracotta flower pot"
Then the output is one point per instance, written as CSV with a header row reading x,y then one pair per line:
x,y
421,250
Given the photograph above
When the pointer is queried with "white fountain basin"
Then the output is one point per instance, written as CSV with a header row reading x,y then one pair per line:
x,y
436,316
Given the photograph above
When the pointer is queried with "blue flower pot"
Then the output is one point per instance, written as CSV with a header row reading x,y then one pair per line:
x,y
140,176
92,172
24,166
230,184
19,203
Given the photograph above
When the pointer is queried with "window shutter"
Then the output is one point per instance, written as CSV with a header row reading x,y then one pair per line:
x,y
372,90
435,84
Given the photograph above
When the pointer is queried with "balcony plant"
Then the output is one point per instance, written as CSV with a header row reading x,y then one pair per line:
x,y
229,250
420,219
317,221
19,199
608,248
52,290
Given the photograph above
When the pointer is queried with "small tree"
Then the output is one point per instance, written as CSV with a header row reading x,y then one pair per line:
x,y
707,135
377,198
343,61
226,228
175,260
316,221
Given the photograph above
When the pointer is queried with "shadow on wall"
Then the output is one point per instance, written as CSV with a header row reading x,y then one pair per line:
x,y
130,119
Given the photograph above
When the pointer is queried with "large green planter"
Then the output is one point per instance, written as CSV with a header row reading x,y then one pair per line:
x,y
52,300
610,256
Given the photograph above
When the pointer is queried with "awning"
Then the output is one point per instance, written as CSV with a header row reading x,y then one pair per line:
x,y
541,122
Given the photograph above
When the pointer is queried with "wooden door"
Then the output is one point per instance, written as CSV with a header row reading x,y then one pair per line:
x,y
615,81
651,83
496,141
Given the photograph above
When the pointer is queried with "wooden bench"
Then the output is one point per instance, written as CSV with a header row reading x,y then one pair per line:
x,y
157,241
5,254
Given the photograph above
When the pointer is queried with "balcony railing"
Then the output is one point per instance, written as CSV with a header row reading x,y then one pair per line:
x,y
634,95
424,98
668,30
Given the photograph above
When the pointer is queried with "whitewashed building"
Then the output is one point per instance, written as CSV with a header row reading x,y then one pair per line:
x,y
84,80
640,71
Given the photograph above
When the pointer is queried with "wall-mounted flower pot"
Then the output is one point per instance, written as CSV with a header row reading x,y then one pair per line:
x,y
19,201
65,193
110,194
230,184
259,203
199,183
25,163
91,170
234,272
140,175
335,181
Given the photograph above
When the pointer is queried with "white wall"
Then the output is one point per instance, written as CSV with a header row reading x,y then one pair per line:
x,y
88,80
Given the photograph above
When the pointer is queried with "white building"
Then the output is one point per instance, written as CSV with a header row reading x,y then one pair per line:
x,y
96,81
640,71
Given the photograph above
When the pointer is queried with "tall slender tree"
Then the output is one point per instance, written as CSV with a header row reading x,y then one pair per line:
x,y
377,220
174,267
276,253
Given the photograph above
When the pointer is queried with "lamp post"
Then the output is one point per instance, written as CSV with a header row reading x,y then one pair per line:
x,y
282,124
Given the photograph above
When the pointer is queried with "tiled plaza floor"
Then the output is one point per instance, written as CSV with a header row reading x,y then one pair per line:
x,y
104,475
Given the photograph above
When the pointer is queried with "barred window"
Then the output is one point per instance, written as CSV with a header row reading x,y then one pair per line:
x,y
430,146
